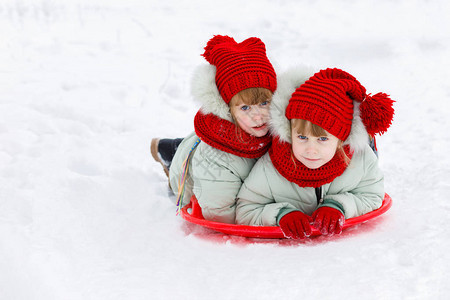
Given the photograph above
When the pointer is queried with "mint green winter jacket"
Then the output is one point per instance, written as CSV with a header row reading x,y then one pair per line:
x,y
266,196
214,176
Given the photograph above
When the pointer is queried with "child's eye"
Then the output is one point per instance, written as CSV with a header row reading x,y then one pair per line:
x,y
323,139
264,103
245,107
302,137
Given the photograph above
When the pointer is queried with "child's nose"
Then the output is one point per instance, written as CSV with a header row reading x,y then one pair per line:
x,y
258,113
311,148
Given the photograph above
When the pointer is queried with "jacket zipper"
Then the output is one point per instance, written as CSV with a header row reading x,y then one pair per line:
x,y
319,197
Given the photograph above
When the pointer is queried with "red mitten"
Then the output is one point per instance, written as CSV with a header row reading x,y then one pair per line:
x,y
295,225
328,220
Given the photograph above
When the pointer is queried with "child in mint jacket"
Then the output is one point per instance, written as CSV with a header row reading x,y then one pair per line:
x,y
320,169
231,128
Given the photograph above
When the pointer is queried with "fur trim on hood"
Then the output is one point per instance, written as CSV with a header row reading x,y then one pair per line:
x,y
288,82
358,138
204,90
280,126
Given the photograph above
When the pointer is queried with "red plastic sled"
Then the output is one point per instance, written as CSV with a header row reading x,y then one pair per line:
x,y
193,213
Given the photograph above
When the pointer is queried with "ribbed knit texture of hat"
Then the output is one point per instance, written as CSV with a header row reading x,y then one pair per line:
x,y
326,99
239,66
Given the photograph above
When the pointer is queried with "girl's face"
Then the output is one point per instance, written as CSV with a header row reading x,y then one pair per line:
x,y
314,151
252,118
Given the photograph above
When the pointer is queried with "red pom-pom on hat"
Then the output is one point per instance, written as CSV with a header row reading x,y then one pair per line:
x,y
216,40
377,113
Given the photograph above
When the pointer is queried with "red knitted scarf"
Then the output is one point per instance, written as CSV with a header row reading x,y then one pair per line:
x,y
225,136
283,160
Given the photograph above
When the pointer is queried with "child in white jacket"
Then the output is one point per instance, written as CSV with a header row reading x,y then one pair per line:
x,y
320,169
231,128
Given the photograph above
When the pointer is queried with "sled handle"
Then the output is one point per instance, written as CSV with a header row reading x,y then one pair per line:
x,y
195,209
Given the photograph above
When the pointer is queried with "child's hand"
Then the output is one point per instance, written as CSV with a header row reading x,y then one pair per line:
x,y
328,220
295,225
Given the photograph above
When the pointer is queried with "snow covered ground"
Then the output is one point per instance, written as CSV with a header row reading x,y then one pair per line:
x,y
84,211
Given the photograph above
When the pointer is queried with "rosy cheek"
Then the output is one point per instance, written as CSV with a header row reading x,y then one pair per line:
x,y
247,119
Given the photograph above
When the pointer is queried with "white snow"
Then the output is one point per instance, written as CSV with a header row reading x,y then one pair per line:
x,y
85,212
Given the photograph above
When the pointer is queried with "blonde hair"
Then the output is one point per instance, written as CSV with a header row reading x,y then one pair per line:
x,y
251,96
305,127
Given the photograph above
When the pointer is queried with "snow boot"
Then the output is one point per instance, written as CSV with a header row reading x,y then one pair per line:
x,y
163,151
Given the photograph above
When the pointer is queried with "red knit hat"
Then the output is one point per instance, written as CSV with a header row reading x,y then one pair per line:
x,y
239,66
326,99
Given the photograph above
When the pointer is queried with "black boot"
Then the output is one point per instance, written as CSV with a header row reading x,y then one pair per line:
x,y
163,151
